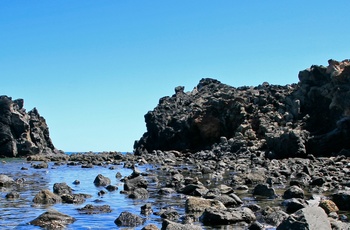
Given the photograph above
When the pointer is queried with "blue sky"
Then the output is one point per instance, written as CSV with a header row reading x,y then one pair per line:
x,y
94,68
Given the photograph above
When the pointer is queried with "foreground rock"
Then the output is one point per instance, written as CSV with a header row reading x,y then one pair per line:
x,y
53,220
23,133
311,117
228,216
127,219
307,218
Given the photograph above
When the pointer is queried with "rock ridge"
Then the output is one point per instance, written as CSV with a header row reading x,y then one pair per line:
x,y
311,117
23,133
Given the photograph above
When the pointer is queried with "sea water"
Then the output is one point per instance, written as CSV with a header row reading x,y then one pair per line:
x,y
17,213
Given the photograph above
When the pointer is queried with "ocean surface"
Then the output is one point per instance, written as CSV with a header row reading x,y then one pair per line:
x,y
15,214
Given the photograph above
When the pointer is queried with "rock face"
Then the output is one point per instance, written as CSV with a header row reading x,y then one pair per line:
x,y
22,133
311,117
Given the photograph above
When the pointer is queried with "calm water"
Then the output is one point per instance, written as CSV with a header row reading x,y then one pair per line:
x,y
15,214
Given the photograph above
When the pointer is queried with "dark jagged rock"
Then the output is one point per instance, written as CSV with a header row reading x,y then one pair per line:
x,y
297,120
22,133
101,180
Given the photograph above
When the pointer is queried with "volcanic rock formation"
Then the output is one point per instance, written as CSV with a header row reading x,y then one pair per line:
x,y
310,117
22,133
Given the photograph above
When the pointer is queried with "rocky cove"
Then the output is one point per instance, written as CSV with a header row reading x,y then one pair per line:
x,y
218,157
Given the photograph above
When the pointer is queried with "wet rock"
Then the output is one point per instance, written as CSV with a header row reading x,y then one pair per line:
x,y
5,180
194,190
127,219
41,165
74,198
264,190
46,197
101,180
166,191
293,192
76,182
62,188
118,175
111,188
146,209
170,214
136,182
169,225
274,215
306,218
342,200
53,220
196,204
94,209
12,195
229,216
139,193
256,226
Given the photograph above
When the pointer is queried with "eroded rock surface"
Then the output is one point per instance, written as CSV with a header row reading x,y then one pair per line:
x,y
23,133
311,117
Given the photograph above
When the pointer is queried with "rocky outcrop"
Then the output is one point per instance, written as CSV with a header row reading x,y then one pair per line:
x,y
310,117
22,133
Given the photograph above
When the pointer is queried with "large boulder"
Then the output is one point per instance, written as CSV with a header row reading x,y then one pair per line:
x,y
23,133
53,220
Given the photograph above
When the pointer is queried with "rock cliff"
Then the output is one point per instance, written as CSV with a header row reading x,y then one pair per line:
x,y
22,133
310,117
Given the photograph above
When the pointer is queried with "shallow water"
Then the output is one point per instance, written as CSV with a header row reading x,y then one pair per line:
x,y
15,214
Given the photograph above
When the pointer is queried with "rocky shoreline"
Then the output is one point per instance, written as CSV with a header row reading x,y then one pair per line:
x,y
284,147
294,193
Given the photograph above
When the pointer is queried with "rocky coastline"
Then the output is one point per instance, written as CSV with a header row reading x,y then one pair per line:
x,y
286,147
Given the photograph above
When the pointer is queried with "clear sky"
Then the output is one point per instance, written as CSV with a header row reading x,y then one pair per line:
x,y
94,68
